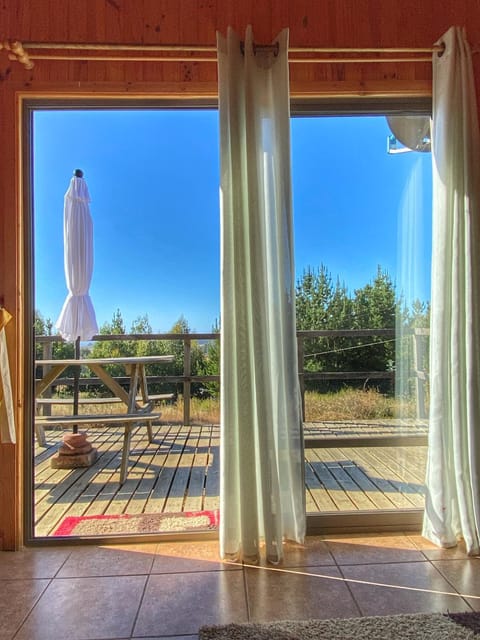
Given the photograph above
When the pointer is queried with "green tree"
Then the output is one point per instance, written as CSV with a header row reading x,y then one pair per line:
x,y
126,347
112,348
375,304
314,292
374,307
40,328
197,356
44,327
321,305
412,352
139,347
340,314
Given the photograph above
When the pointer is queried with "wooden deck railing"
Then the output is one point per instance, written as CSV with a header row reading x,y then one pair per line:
x,y
187,378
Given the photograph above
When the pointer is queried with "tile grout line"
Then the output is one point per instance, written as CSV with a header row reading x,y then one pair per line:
x,y
339,568
41,594
140,603
245,589
366,582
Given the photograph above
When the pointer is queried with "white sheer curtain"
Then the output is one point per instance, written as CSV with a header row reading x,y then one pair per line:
x,y
453,470
262,495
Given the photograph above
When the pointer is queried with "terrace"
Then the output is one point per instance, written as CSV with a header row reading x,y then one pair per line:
x,y
352,466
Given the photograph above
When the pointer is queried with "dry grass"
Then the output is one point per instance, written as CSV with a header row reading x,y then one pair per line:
x,y
347,404
202,411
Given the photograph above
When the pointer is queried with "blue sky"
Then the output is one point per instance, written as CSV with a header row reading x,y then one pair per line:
x,y
153,178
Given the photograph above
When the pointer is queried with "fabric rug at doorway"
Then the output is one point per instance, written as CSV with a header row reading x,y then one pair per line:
x,y
100,525
420,626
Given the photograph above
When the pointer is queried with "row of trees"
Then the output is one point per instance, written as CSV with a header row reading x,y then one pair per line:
x,y
133,347
321,304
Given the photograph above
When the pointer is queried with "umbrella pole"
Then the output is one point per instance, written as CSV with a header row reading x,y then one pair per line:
x,y
75,451
76,383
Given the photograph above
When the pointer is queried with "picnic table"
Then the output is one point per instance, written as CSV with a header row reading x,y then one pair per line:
x,y
138,403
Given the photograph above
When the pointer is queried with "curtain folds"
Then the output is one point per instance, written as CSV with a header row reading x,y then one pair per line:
x,y
262,495
453,470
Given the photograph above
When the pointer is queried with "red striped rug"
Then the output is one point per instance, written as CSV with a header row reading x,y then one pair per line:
x,y
107,525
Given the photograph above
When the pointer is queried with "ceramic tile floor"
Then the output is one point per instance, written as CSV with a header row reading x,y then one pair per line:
x,y
168,590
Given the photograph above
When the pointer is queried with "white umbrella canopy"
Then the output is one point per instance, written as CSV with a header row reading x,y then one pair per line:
x,y
77,321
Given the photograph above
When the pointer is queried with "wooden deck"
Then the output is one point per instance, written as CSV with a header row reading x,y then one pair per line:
x,y
179,471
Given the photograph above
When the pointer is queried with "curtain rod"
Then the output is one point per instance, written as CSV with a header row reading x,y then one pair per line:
x,y
210,59
213,48
20,52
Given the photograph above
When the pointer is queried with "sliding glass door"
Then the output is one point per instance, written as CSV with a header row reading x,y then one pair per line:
x,y
362,203
362,211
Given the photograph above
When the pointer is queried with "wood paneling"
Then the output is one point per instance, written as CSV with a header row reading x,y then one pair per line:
x,y
341,23
323,23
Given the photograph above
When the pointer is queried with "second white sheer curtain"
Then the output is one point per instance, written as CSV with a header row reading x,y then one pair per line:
x,y
452,508
262,495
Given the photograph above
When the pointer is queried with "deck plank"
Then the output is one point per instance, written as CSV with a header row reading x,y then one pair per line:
x,y
407,461
140,448
180,470
157,500
327,479
146,467
212,481
409,479
386,480
178,489
67,497
196,488
360,499
317,498
389,481
374,498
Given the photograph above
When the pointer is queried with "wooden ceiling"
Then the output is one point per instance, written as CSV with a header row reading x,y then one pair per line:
x,y
321,23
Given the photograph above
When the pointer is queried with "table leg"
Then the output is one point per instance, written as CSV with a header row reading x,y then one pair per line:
x,y
110,383
132,393
143,385
48,378
127,436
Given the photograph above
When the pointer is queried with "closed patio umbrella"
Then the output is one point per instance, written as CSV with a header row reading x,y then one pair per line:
x,y
77,320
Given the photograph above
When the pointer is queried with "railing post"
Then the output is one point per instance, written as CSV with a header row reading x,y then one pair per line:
x,y
301,377
47,350
187,365
419,374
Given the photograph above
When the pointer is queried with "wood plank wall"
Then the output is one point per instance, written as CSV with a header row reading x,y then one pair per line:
x,y
326,23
